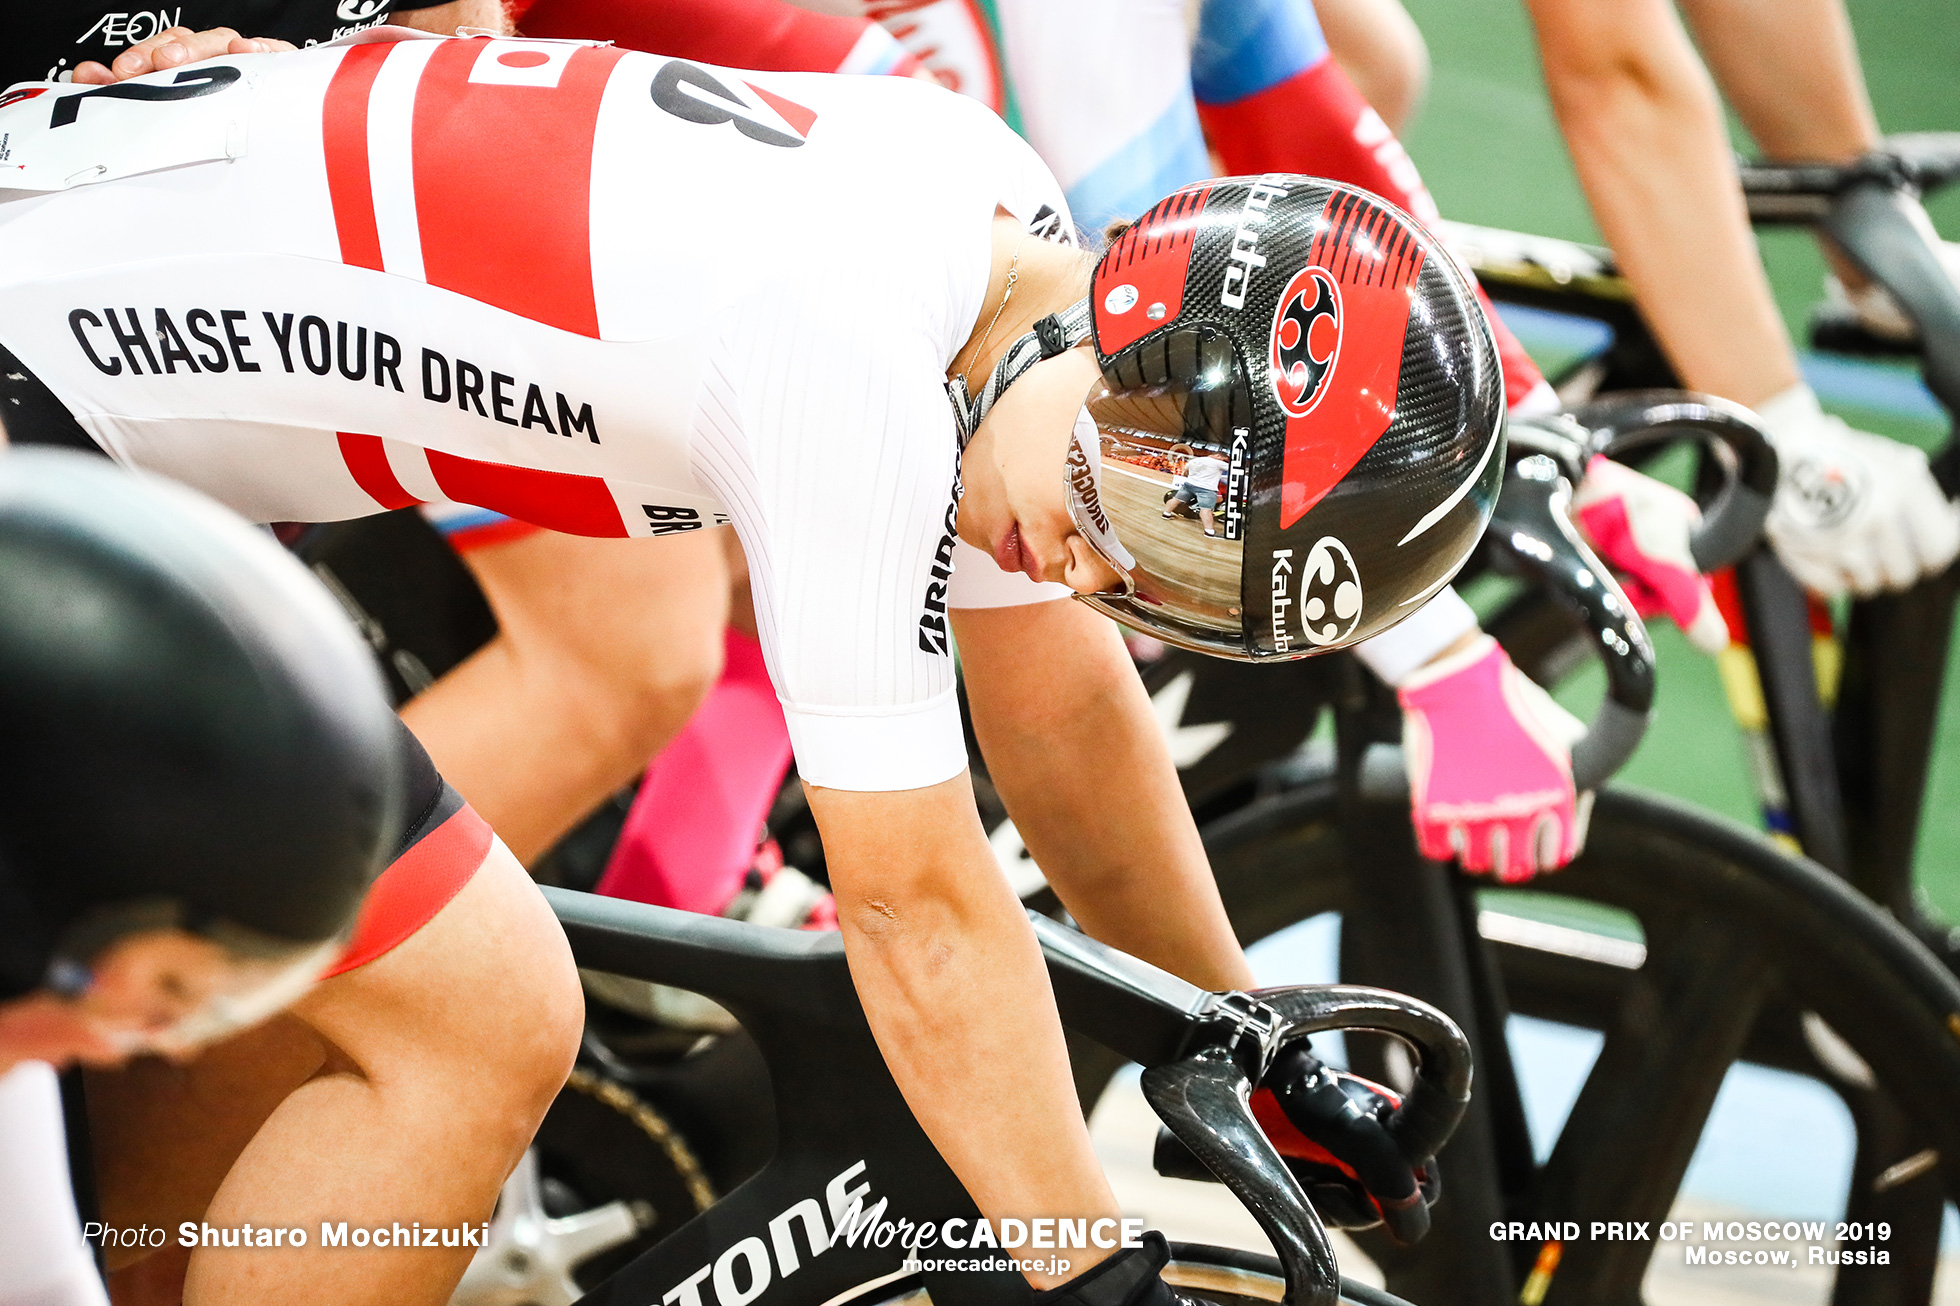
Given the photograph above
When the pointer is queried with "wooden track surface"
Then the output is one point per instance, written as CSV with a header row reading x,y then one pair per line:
x,y
1203,571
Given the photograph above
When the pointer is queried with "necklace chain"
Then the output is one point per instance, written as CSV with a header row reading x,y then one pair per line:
x,y
1013,271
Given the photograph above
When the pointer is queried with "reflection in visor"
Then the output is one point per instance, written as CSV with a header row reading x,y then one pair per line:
x,y
1169,448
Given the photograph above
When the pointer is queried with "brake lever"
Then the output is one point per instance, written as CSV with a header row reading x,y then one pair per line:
x,y
1204,1101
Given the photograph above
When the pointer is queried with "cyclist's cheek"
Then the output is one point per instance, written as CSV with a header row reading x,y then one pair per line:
x,y
1087,572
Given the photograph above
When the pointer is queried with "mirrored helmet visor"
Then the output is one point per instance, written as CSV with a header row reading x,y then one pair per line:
x,y
1154,467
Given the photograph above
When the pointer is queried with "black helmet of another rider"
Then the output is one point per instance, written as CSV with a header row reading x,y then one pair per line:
x,y
1329,355
194,738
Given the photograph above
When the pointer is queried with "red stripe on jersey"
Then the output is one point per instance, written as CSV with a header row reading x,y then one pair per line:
x,y
558,501
368,461
344,132
503,177
794,114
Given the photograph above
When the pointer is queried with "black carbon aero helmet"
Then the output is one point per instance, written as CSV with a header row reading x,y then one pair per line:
x,y
1319,345
192,736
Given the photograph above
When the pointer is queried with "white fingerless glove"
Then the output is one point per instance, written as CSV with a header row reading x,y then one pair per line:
x,y
1853,511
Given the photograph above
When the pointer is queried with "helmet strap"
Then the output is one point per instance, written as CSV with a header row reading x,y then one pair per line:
x,y
1055,334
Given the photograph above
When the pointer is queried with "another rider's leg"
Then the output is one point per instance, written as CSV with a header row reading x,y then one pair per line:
x,y
401,1089
1075,750
954,987
605,648
1382,51
1791,72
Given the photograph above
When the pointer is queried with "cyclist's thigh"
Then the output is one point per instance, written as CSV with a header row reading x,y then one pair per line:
x,y
482,1003
608,604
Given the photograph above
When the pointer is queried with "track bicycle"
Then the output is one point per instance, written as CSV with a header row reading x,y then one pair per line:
x,y
1289,823
1848,758
1711,909
843,1133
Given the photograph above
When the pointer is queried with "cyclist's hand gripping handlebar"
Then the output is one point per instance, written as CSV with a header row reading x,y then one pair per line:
x,y
1870,209
1619,424
1203,1098
1332,1128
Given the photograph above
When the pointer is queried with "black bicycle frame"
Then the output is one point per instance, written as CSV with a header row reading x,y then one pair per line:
x,y
844,1133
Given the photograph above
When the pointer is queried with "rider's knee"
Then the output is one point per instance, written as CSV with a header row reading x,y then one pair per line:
x,y
671,680
482,1003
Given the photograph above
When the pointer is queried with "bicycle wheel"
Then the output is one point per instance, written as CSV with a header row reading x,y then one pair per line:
x,y
1213,1276
1745,954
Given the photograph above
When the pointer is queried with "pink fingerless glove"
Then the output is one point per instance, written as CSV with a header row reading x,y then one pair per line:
x,y
1490,773
1640,528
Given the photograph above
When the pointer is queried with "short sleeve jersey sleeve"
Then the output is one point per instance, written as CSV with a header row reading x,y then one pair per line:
x,y
826,428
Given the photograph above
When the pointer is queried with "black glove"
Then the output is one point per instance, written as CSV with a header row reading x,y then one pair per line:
x,y
1331,1128
1132,1277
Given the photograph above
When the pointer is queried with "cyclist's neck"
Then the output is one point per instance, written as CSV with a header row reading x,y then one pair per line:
x,y
1047,278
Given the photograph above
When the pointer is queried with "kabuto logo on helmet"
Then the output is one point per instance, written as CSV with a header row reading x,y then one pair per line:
x,y
1330,592
1351,387
1373,258
1306,338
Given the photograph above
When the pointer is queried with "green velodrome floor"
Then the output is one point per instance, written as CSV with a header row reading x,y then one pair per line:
x,y
1487,145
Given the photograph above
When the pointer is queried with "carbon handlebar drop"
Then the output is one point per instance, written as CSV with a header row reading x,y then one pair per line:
x,y
1638,419
1533,537
1202,1099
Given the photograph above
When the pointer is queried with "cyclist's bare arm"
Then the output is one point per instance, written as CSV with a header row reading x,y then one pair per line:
x,y
1645,130
1791,72
1790,69
1074,748
952,981
1382,51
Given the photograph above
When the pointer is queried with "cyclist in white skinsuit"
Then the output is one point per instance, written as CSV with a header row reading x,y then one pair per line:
x,y
691,295
610,371
648,330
